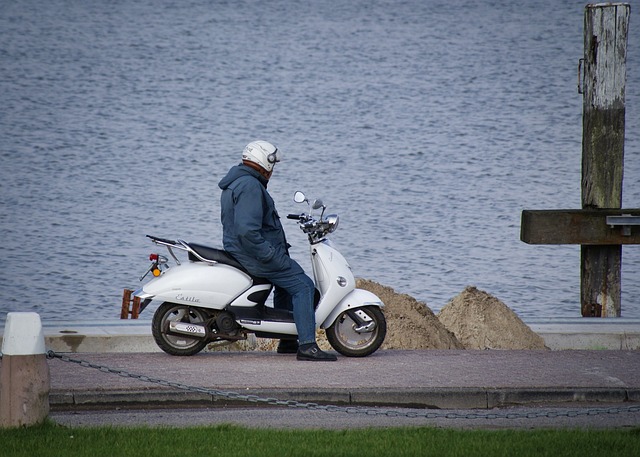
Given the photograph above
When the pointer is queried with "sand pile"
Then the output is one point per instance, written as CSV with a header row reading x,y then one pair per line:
x,y
473,319
481,321
410,323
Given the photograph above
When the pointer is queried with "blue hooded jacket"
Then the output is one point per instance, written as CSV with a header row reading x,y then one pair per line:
x,y
252,231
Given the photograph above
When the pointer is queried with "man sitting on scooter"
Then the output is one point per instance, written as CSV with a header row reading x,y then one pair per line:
x,y
253,234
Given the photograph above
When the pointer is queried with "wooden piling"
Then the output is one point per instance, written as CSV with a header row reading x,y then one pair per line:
x,y
603,88
603,119
126,300
130,306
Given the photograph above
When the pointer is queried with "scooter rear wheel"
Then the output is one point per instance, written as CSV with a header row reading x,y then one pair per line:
x,y
176,344
348,338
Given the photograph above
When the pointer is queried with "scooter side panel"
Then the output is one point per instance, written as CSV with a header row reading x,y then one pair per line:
x,y
283,328
208,286
355,299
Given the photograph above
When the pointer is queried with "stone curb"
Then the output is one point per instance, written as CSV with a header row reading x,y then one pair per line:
x,y
445,398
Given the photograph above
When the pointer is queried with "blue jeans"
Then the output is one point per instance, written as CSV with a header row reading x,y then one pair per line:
x,y
298,298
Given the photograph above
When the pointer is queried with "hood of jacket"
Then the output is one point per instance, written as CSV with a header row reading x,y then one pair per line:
x,y
239,171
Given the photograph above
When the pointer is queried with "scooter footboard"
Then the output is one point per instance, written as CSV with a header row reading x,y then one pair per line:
x,y
357,298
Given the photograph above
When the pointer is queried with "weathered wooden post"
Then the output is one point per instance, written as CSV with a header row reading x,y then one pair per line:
x,y
601,227
24,375
603,123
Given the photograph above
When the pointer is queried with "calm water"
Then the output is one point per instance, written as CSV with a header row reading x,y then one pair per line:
x,y
427,125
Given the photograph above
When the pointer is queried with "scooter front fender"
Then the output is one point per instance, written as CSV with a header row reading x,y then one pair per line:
x,y
357,298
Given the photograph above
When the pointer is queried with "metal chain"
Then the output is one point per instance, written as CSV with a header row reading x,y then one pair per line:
x,y
351,409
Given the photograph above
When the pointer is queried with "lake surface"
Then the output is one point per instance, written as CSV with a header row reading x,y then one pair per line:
x,y
427,126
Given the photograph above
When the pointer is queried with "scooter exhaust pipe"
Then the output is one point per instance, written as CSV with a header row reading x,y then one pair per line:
x,y
185,328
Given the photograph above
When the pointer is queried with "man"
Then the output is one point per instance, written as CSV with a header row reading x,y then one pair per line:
x,y
253,234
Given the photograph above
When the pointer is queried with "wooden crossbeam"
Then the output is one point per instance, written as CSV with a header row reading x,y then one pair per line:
x,y
601,234
578,226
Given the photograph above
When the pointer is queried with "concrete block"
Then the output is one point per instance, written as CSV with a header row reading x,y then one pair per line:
x,y
60,399
130,398
522,396
445,398
589,333
79,342
633,395
326,396
24,375
23,334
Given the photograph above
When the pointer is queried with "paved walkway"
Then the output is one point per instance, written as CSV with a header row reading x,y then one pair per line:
x,y
428,378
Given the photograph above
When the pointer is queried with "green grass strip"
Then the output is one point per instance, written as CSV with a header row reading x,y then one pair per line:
x,y
231,441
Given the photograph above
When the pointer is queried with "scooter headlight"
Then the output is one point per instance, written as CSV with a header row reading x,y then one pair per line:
x,y
332,222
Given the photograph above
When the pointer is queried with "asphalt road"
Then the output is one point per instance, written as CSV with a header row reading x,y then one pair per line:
x,y
592,416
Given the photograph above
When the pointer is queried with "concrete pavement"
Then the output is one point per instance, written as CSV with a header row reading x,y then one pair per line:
x,y
446,379
426,378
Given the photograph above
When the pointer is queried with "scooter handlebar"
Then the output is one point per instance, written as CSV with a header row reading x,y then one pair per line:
x,y
294,216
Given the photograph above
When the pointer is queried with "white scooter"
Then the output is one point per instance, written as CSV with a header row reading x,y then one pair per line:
x,y
213,298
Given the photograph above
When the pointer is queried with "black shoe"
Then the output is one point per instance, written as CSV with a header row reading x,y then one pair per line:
x,y
288,347
313,353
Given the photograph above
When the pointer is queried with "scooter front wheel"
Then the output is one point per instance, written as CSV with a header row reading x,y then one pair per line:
x,y
358,332
176,344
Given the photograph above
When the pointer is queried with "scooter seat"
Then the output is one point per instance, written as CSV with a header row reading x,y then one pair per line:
x,y
221,256
217,255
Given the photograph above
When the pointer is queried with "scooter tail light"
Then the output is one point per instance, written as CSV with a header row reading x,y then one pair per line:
x,y
153,257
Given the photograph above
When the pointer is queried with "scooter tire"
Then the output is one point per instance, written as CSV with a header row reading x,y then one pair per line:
x,y
344,339
174,344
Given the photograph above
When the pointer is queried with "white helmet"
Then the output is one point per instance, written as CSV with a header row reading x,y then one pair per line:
x,y
262,153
